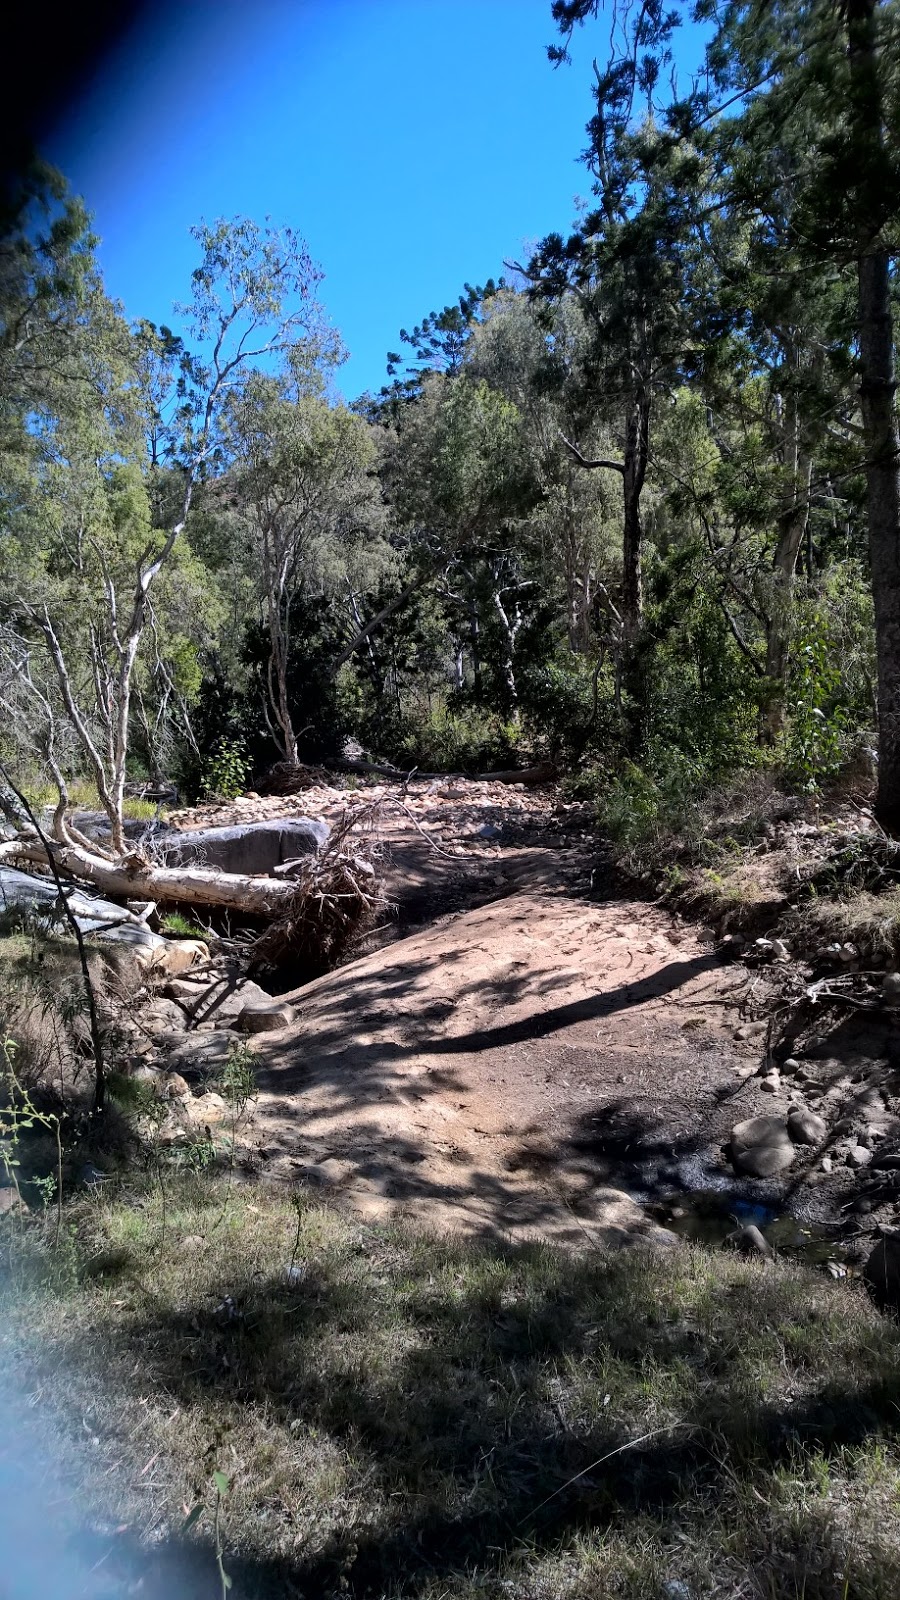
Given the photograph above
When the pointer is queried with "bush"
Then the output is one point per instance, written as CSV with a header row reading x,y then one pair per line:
x,y
226,770
464,739
648,805
830,686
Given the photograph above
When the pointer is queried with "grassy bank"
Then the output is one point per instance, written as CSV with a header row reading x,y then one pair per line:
x,y
399,1415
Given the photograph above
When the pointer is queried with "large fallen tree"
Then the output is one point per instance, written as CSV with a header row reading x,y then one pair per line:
x,y
133,876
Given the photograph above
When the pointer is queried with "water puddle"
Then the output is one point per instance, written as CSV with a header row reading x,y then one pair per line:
x,y
708,1217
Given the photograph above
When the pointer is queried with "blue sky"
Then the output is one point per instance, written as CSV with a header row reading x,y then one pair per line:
x,y
413,143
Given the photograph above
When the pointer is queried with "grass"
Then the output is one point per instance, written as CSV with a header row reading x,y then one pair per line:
x,y
84,797
178,926
417,1417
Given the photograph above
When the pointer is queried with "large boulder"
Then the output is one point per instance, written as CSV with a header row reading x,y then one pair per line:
x,y
23,891
255,847
761,1147
806,1127
265,1019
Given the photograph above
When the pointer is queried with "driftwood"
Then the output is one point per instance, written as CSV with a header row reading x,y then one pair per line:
x,y
545,772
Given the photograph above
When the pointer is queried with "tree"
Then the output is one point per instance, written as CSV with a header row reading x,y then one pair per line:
x,y
534,355
461,481
628,266
827,73
79,602
304,474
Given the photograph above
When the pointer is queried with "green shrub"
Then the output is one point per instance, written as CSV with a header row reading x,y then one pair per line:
x,y
647,805
226,770
462,739
830,685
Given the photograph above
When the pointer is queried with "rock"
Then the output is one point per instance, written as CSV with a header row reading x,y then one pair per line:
x,y
806,1127
749,1030
265,1019
750,1240
771,1083
790,1066
163,1016
144,1073
178,955
187,990
827,1163
256,847
761,1146
881,1273
888,1162
207,1108
196,1055
174,1087
890,989
125,939
133,945
858,1157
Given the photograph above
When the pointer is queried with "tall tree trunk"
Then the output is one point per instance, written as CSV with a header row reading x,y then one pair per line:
x,y
877,390
792,525
637,440
877,397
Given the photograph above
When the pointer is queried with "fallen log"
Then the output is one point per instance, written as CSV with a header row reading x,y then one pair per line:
x,y
133,877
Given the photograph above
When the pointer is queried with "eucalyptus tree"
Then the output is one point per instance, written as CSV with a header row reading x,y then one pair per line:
x,y
303,477
85,556
461,483
534,355
822,78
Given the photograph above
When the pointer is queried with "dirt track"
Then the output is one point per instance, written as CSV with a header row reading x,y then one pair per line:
x,y
512,1066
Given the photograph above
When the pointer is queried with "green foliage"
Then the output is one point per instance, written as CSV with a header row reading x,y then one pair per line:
x,y
226,771
569,707
643,805
817,720
830,688
178,926
237,1081
463,739
696,692
20,1116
